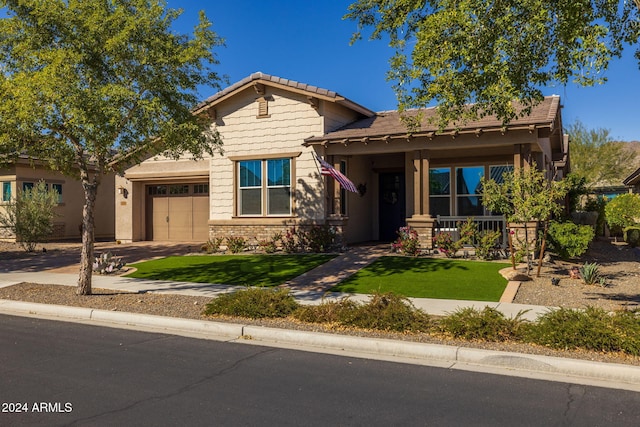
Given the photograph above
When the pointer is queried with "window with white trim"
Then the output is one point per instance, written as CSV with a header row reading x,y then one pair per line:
x,y
264,197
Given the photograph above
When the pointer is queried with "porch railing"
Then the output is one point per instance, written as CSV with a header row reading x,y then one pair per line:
x,y
451,225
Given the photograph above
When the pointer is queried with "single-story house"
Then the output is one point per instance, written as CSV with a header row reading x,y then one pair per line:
x,y
24,174
268,178
633,181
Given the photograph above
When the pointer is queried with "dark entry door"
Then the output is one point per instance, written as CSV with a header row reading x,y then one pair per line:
x,y
392,210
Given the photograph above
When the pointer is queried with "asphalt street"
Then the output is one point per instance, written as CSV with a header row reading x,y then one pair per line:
x,y
58,373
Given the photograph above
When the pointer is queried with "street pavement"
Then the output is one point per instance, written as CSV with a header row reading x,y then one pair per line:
x,y
310,289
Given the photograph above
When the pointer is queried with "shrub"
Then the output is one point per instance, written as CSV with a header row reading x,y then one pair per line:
x,y
107,263
320,238
332,312
407,242
270,245
623,210
290,241
589,329
486,325
255,303
236,244
389,312
30,216
444,242
212,245
483,242
568,239
632,236
383,311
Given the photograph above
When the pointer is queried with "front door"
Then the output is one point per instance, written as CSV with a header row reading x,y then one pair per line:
x,y
392,206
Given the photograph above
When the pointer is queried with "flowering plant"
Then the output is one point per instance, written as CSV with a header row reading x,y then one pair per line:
x,y
407,242
445,243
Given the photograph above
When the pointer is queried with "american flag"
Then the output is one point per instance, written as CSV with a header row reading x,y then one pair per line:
x,y
328,170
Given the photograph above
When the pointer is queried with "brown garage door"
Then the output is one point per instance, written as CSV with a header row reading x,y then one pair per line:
x,y
178,212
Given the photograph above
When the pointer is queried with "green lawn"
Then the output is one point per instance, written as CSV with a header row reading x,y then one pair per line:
x,y
252,270
429,278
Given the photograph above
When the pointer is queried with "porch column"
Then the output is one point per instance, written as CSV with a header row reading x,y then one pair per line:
x,y
420,183
421,220
522,156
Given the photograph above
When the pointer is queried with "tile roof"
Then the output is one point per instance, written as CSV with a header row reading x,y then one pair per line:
x,y
632,179
388,123
275,80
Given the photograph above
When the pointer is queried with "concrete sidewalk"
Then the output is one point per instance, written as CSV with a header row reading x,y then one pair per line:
x,y
303,294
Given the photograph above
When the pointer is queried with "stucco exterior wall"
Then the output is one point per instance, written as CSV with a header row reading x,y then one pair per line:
x,y
69,213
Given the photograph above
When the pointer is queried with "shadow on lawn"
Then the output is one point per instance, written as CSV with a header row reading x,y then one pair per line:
x,y
389,265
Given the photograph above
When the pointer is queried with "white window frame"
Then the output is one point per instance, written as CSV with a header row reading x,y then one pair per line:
x,y
264,187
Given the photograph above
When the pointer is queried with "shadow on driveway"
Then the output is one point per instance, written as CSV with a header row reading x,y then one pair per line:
x,y
65,257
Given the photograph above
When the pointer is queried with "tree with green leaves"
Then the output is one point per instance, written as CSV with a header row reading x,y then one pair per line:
x,y
92,86
623,211
597,158
525,195
490,53
29,217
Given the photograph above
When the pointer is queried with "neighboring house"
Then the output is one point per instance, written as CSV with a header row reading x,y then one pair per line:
x,y
633,182
268,180
24,174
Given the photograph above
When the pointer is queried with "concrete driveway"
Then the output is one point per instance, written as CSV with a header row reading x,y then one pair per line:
x,y
65,257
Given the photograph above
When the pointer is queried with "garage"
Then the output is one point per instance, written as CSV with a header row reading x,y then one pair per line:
x,y
177,212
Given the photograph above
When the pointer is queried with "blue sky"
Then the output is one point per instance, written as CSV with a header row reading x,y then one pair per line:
x,y
308,41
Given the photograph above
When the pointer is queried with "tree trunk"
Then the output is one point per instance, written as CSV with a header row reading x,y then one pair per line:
x,y
543,246
90,187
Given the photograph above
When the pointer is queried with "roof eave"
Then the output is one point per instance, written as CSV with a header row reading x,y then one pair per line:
x,y
431,134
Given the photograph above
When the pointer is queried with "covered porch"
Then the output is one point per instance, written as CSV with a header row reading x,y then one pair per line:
x,y
430,179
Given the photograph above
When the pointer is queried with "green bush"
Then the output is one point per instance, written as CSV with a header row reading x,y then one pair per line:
x,y
632,236
483,241
212,245
320,238
445,243
383,312
390,312
30,216
568,239
270,246
236,244
255,303
623,210
486,325
589,329
407,242
332,312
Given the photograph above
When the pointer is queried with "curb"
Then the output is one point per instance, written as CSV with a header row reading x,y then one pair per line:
x,y
499,362
119,318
